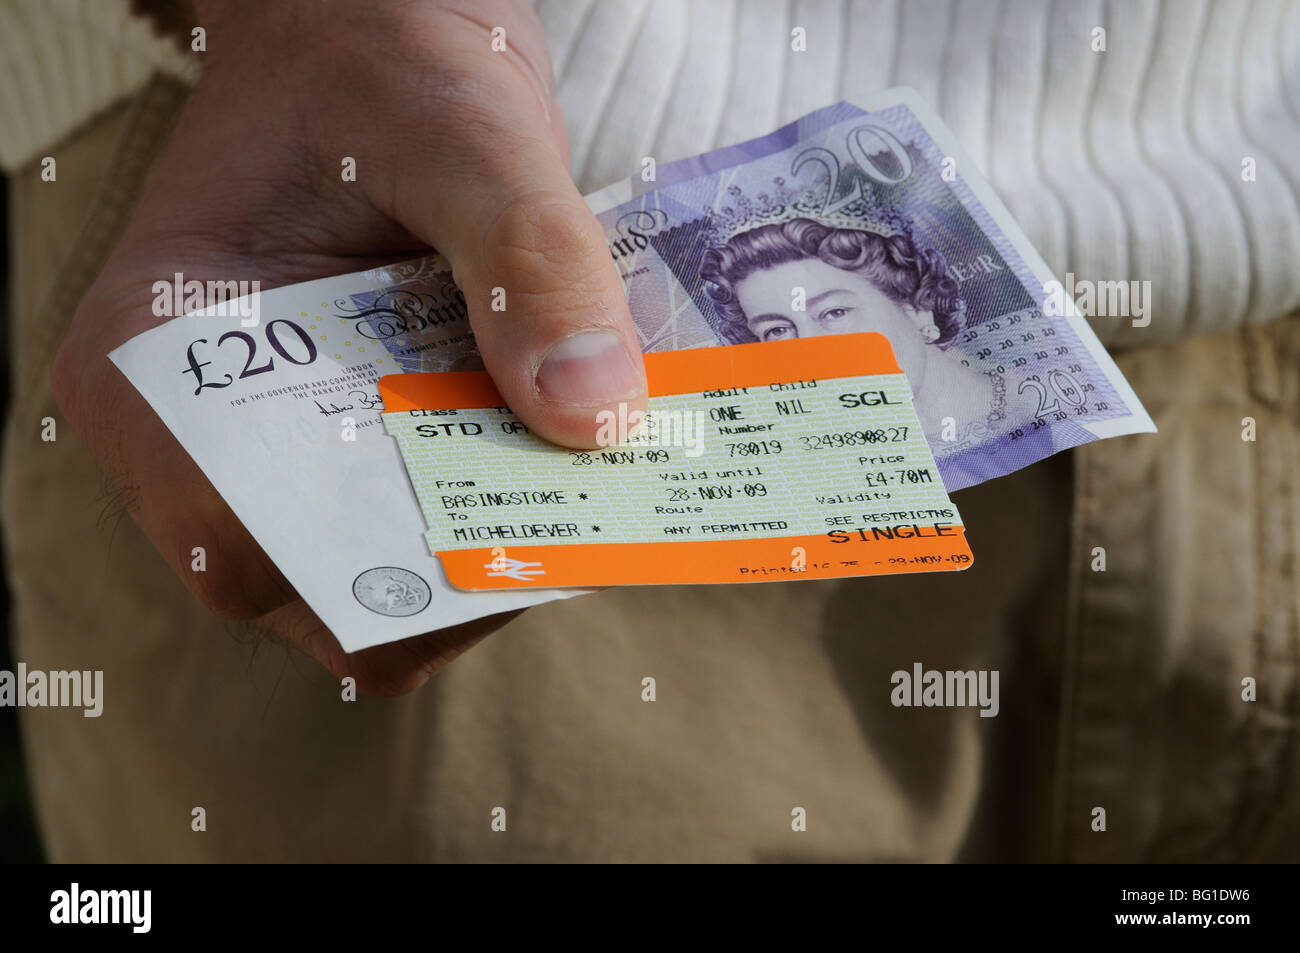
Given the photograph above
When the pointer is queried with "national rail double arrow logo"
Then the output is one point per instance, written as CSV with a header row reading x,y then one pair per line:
x,y
514,568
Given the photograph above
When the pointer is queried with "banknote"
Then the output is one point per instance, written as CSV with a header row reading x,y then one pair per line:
x,y
873,219
864,217
282,414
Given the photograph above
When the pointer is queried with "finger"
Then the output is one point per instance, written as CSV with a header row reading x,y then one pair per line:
x,y
385,670
151,477
544,297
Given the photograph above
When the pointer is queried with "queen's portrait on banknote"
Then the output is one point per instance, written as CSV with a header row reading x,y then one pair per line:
x,y
803,278
854,220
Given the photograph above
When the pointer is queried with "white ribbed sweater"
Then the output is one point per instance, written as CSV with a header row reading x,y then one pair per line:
x,y
1120,165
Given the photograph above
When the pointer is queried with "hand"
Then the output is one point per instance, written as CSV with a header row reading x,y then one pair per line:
x,y
457,147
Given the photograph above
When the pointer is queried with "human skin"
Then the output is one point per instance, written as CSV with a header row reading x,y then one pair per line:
x,y
457,147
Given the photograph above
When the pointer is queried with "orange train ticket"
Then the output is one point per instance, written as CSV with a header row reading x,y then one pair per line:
x,y
784,460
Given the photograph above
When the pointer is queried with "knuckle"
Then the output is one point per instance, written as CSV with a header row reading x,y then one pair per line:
x,y
434,67
461,96
215,587
211,591
235,583
206,545
546,245
168,498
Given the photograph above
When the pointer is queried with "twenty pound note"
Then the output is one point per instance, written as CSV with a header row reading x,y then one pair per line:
x,y
851,219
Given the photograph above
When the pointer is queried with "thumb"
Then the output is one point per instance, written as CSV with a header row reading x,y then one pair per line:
x,y
544,297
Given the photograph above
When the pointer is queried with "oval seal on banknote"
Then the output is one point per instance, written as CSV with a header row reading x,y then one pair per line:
x,y
391,591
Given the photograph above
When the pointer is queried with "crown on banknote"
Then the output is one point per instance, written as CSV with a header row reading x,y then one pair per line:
x,y
783,203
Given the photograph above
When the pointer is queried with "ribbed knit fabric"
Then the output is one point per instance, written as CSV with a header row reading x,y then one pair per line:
x,y
1122,165
64,61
